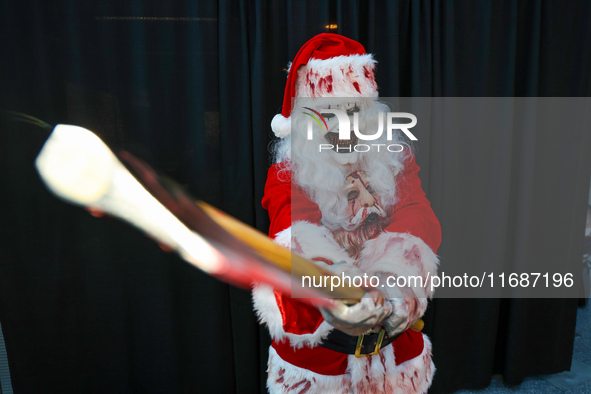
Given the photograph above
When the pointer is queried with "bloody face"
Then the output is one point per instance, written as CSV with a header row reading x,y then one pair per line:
x,y
363,204
367,217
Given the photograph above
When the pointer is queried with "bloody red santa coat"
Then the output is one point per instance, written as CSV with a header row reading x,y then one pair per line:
x,y
407,246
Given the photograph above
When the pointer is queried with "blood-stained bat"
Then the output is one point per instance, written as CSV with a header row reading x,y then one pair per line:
x,y
77,166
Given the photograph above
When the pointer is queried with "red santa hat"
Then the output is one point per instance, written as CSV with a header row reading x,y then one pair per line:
x,y
329,65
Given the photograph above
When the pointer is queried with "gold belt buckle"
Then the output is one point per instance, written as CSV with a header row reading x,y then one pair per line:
x,y
360,344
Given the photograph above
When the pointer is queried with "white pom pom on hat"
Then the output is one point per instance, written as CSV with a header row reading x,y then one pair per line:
x,y
281,126
328,65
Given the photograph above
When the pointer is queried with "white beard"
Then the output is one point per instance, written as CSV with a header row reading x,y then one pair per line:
x,y
322,174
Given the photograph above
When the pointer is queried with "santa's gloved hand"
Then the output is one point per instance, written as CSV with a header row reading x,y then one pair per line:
x,y
400,319
406,308
359,318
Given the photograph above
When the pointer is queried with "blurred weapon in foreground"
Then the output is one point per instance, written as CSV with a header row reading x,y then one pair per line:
x,y
79,167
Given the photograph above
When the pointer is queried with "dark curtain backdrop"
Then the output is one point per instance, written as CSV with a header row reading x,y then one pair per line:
x,y
91,305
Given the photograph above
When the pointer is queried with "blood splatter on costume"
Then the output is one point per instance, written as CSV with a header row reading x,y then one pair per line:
x,y
383,235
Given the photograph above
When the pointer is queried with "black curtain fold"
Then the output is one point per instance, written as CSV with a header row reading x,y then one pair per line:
x,y
90,305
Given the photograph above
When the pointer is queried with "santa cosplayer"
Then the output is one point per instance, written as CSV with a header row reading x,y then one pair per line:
x,y
353,213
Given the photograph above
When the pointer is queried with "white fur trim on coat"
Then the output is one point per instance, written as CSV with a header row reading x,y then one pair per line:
x,y
377,374
268,313
415,375
283,377
401,254
283,238
310,241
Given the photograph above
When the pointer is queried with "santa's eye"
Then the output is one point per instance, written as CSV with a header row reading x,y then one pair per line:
x,y
352,195
370,189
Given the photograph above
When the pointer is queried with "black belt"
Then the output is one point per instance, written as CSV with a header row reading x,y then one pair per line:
x,y
361,346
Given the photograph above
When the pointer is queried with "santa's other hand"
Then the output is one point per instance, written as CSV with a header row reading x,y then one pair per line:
x,y
358,318
406,307
400,319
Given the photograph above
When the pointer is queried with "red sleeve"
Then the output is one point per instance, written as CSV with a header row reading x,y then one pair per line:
x,y
412,213
279,201
284,204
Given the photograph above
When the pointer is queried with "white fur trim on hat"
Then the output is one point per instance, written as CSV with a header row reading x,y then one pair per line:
x,y
341,76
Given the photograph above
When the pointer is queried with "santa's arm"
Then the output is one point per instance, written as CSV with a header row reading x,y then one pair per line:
x,y
406,250
412,213
298,219
287,317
